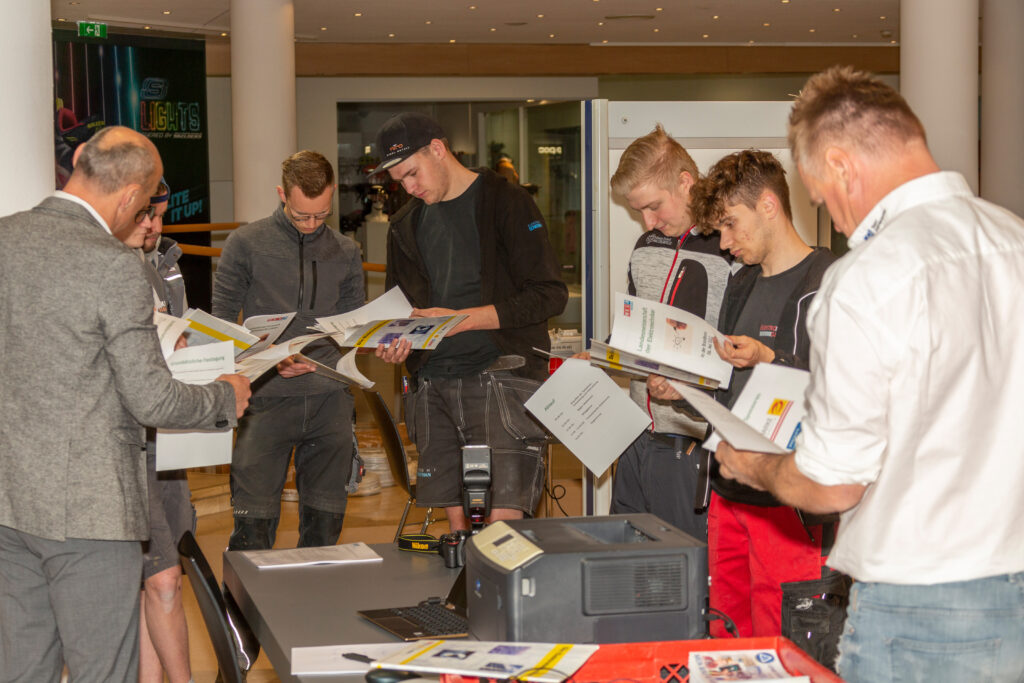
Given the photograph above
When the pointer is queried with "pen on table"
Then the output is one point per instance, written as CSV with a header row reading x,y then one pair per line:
x,y
355,656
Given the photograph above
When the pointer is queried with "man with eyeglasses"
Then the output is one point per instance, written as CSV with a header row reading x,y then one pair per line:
x,y
292,261
82,372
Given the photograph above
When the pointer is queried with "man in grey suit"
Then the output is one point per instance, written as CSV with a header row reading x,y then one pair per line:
x,y
82,371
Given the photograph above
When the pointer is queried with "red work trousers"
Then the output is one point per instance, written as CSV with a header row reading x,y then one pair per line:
x,y
752,550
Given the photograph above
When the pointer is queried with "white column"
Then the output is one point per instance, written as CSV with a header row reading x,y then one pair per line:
x,y
939,77
1002,103
26,116
262,101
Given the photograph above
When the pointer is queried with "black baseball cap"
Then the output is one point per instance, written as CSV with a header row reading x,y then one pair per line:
x,y
402,136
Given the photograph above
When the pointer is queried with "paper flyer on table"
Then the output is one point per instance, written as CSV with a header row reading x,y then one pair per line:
x,y
669,335
422,333
588,413
177,448
340,659
752,666
391,304
268,328
545,662
345,553
765,418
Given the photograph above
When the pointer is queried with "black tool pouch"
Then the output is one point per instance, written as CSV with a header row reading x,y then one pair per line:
x,y
813,613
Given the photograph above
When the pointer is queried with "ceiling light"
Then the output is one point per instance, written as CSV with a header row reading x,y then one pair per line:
x,y
530,100
603,42
766,24
428,22
540,16
715,17
359,14
750,42
836,9
882,18
493,29
61,19
785,2
892,42
74,2
452,40
600,23
705,35
323,28
854,35
551,35
658,9
811,30
472,7
147,27
656,30
391,35
167,11
223,34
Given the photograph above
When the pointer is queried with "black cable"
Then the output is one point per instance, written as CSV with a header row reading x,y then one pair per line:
x,y
551,494
716,614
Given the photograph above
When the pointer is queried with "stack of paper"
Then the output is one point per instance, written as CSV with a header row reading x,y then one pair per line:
x,y
546,662
346,553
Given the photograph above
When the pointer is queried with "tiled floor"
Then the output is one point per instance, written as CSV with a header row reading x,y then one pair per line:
x,y
371,519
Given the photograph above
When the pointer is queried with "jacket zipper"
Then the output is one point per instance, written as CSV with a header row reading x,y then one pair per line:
x,y
312,295
302,272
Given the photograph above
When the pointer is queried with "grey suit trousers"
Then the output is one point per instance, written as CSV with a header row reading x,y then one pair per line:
x,y
75,602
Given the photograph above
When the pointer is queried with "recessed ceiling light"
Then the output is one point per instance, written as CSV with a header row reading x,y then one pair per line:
x,y
74,2
811,30
223,34
493,29
892,42
323,28
391,35
882,18
428,22
146,27
540,16
61,19
600,23
854,35
836,9
603,42
472,7
551,35
358,14
531,100
452,40
766,24
715,17
785,2
705,35
656,30
750,42
167,11
658,9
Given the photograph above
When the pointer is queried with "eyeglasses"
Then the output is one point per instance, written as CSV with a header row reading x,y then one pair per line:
x,y
307,217
147,212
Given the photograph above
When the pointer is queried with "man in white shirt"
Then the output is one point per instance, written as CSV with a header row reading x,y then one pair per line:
x,y
912,428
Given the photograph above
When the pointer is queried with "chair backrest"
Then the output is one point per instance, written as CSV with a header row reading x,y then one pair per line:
x,y
213,607
398,459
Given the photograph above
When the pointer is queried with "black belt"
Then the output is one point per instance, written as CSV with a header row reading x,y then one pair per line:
x,y
418,543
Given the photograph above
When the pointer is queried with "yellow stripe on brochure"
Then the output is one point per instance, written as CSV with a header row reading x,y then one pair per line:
x,y
612,356
418,653
552,658
369,333
209,331
430,336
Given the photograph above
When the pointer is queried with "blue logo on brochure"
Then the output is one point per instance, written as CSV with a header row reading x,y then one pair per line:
x,y
534,225
792,439
765,657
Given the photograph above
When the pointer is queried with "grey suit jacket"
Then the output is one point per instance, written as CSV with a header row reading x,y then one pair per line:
x,y
80,372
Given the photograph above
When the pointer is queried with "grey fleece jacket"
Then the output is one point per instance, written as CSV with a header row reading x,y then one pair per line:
x,y
270,267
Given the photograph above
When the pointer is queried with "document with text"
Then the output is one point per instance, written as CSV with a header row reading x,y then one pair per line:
x,y
589,413
179,448
207,329
422,333
391,304
267,328
766,416
670,336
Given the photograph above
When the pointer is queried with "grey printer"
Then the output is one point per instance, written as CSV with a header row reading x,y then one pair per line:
x,y
618,578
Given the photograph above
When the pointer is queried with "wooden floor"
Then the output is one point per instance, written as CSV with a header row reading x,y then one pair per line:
x,y
371,519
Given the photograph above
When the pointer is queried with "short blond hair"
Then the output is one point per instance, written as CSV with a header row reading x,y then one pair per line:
x,y
850,107
656,159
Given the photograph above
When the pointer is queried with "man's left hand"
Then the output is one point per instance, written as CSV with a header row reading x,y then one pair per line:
x,y
293,366
743,352
738,465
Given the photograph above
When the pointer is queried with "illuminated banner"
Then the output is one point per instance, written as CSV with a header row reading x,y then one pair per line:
x,y
156,86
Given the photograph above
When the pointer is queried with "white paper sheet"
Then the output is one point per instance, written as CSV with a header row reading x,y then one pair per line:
x,y
177,449
331,659
168,329
390,304
345,553
589,413
268,328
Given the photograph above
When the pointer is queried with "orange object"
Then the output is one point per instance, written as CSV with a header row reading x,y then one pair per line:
x,y
665,661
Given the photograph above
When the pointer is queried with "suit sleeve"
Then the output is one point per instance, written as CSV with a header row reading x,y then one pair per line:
x,y
539,292
141,377
232,279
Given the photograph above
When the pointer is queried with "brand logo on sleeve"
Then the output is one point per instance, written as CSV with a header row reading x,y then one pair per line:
x,y
768,331
534,226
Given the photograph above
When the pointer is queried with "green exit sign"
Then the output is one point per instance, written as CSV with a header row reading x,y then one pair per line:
x,y
92,29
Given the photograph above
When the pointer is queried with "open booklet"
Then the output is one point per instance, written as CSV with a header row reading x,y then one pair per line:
x,y
252,336
752,666
669,337
765,417
546,662
262,362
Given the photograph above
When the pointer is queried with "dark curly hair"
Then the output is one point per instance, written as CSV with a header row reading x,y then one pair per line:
x,y
738,178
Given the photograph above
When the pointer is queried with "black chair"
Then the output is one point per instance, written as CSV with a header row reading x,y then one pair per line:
x,y
398,459
233,641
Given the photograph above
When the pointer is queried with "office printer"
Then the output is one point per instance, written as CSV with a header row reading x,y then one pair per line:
x,y
619,578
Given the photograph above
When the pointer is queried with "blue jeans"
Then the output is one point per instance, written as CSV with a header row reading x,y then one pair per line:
x,y
963,631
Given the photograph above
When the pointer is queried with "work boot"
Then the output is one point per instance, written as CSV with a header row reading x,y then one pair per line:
x,y
253,533
318,527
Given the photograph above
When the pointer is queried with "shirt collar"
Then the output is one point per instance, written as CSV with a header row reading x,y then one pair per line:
x,y
917,191
78,200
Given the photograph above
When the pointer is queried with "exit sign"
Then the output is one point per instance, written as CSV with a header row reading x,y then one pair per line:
x,y
92,29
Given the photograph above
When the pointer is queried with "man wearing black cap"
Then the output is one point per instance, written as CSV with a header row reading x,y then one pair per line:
x,y
470,242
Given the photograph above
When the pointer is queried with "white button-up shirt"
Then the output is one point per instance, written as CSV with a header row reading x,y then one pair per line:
x,y
917,388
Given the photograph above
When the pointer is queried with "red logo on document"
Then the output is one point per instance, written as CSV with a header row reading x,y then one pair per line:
x,y
627,308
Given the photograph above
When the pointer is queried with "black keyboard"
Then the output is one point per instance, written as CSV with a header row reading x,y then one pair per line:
x,y
434,619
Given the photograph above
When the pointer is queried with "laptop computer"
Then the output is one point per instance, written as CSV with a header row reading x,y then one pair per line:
x,y
432,618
